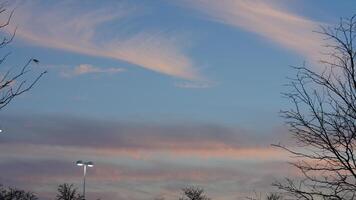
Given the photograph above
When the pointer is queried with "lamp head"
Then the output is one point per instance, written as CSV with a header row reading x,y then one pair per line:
x,y
79,163
90,164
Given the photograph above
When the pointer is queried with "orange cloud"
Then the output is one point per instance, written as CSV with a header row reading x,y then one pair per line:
x,y
245,154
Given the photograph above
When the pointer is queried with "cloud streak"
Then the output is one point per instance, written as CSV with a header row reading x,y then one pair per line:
x,y
55,130
86,32
90,69
266,19
195,84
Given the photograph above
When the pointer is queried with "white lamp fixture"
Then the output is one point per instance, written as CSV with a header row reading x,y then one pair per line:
x,y
79,163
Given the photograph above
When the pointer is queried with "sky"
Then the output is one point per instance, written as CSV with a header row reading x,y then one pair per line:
x,y
159,94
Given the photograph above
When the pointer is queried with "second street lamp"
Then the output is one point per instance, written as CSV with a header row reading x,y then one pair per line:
x,y
84,165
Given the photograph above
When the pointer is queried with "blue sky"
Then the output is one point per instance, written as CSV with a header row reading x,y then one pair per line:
x,y
197,80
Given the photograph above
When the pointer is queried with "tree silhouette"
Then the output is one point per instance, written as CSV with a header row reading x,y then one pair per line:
x,y
274,196
323,121
68,192
13,84
193,193
16,194
270,196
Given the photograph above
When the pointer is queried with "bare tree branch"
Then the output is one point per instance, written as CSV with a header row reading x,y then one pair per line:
x,y
323,121
13,84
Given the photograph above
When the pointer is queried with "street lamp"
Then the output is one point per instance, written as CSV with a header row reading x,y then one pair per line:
x,y
84,165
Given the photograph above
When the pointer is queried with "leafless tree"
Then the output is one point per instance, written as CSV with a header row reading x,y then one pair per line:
x,y
270,196
16,194
323,121
13,84
193,193
68,192
274,196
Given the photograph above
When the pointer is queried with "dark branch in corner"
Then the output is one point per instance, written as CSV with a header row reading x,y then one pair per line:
x,y
13,85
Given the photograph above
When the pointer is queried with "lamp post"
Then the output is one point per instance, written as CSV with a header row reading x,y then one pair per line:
x,y
85,165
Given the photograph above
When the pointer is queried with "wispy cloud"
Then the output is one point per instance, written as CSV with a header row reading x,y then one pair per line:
x,y
99,32
90,69
195,84
266,19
